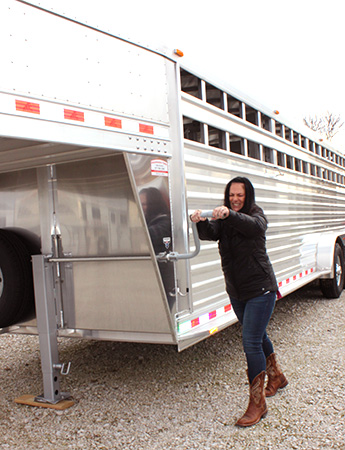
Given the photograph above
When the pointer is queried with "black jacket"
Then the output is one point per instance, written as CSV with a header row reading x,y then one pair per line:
x,y
242,246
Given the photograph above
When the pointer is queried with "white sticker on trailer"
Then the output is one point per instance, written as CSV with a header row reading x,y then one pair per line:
x,y
159,168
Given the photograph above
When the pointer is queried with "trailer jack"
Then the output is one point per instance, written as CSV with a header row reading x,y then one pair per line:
x,y
47,329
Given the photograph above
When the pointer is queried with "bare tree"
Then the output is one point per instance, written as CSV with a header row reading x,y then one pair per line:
x,y
327,125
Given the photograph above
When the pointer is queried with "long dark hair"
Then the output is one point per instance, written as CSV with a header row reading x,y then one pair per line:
x,y
249,202
155,203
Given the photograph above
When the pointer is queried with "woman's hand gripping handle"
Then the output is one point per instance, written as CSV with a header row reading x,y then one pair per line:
x,y
221,212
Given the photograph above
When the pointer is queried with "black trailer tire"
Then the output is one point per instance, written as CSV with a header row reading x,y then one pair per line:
x,y
333,287
17,301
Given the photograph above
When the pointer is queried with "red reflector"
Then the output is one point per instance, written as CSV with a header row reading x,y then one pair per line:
x,y
73,115
145,128
227,307
195,322
280,284
212,315
110,122
27,107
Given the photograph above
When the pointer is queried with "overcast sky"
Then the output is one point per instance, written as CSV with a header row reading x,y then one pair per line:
x,y
288,55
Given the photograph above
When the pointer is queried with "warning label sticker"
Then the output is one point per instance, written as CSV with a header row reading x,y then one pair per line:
x,y
159,168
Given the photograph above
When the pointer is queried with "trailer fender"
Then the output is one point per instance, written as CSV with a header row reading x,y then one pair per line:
x,y
325,253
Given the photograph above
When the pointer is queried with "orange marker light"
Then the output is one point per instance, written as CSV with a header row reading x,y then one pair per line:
x,y
178,52
276,111
213,330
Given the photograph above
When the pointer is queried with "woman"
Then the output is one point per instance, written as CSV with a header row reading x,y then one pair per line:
x,y
240,229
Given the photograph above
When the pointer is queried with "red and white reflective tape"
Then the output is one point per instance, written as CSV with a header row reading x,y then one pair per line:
x,y
189,325
296,277
204,319
58,112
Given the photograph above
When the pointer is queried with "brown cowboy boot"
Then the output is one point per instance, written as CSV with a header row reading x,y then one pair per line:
x,y
257,407
276,378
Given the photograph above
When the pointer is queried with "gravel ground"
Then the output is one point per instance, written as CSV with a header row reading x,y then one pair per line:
x,y
138,396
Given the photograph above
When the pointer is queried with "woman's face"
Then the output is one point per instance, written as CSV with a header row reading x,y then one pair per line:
x,y
237,196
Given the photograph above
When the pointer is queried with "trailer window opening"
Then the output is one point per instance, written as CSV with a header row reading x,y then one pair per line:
x,y
296,138
234,106
214,96
193,130
305,167
251,115
268,155
236,144
279,129
190,84
281,159
287,133
298,167
253,150
303,142
216,137
265,122
289,162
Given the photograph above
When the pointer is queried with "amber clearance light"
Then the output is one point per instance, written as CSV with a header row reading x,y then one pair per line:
x,y
178,52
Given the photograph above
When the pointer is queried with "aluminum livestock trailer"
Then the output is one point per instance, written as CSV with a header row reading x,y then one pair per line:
x,y
106,147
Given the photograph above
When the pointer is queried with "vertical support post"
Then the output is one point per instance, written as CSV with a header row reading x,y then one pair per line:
x,y
47,329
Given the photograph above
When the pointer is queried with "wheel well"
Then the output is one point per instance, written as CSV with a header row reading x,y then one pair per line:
x,y
31,240
325,252
17,301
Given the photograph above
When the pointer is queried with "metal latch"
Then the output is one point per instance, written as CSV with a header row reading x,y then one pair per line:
x,y
175,256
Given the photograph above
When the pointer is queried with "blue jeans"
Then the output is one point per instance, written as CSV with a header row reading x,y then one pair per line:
x,y
254,316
